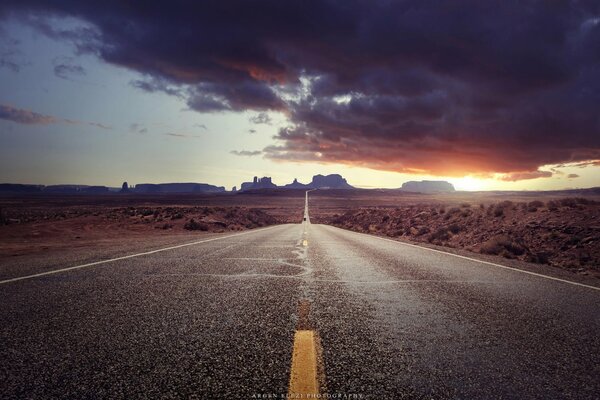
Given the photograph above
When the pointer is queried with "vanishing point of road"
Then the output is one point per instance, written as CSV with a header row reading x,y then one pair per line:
x,y
270,312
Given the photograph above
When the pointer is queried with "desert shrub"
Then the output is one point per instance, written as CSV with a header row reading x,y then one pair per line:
x,y
506,204
533,206
552,205
482,206
536,203
502,245
573,240
422,230
385,218
498,212
145,212
454,210
541,257
3,219
230,214
454,228
193,225
442,210
465,205
568,202
164,226
440,235
451,212
177,216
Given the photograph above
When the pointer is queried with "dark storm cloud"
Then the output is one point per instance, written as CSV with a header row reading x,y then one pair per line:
x,y
416,86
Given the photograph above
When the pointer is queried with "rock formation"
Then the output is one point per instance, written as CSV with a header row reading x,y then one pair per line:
x,y
427,186
178,188
296,185
258,183
333,181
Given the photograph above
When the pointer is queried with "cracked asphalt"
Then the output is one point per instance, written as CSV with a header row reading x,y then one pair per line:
x,y
217,320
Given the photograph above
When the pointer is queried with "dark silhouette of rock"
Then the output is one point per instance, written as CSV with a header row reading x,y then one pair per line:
x,y
19,188
95,190
333,181
178,188
427,186
296,185
258,183
64,189
124,188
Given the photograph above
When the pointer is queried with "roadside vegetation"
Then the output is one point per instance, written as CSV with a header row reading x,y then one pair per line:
x,y
562,232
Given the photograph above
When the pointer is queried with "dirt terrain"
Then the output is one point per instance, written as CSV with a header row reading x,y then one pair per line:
x,y
564,232
47,223
540,227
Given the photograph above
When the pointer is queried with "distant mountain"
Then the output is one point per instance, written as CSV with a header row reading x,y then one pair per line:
x,y
258,183
64,189
19,188
95,190
296,185
333,181
177,188
427,186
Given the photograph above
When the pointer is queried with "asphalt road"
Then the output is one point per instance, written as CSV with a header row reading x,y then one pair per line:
x,y
216,319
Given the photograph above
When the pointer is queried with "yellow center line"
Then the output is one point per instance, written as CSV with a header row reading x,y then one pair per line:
x,y
303,376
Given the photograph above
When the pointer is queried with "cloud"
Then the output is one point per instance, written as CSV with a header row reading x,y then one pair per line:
x,y
251,130
99,125
64,68
182,135
520,176
572,176
411,86
138,128
201,126
246,153
10,56
157,85
261,118
27,117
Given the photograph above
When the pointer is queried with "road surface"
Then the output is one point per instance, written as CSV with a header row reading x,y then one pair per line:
x,y
216,319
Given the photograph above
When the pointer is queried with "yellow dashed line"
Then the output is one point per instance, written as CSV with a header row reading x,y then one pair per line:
x,y
303,377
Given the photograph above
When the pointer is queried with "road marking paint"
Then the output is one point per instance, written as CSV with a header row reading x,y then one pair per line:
x,y
479,261
56,271
303,376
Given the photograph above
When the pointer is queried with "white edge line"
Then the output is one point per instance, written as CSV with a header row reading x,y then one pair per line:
x,y
473,259
56,271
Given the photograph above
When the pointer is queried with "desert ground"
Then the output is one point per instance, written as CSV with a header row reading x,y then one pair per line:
x,y
560,229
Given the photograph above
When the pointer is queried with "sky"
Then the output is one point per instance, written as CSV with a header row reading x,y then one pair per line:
x,y
495,95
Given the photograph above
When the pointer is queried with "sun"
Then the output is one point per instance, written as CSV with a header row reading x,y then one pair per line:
x,y
469,183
